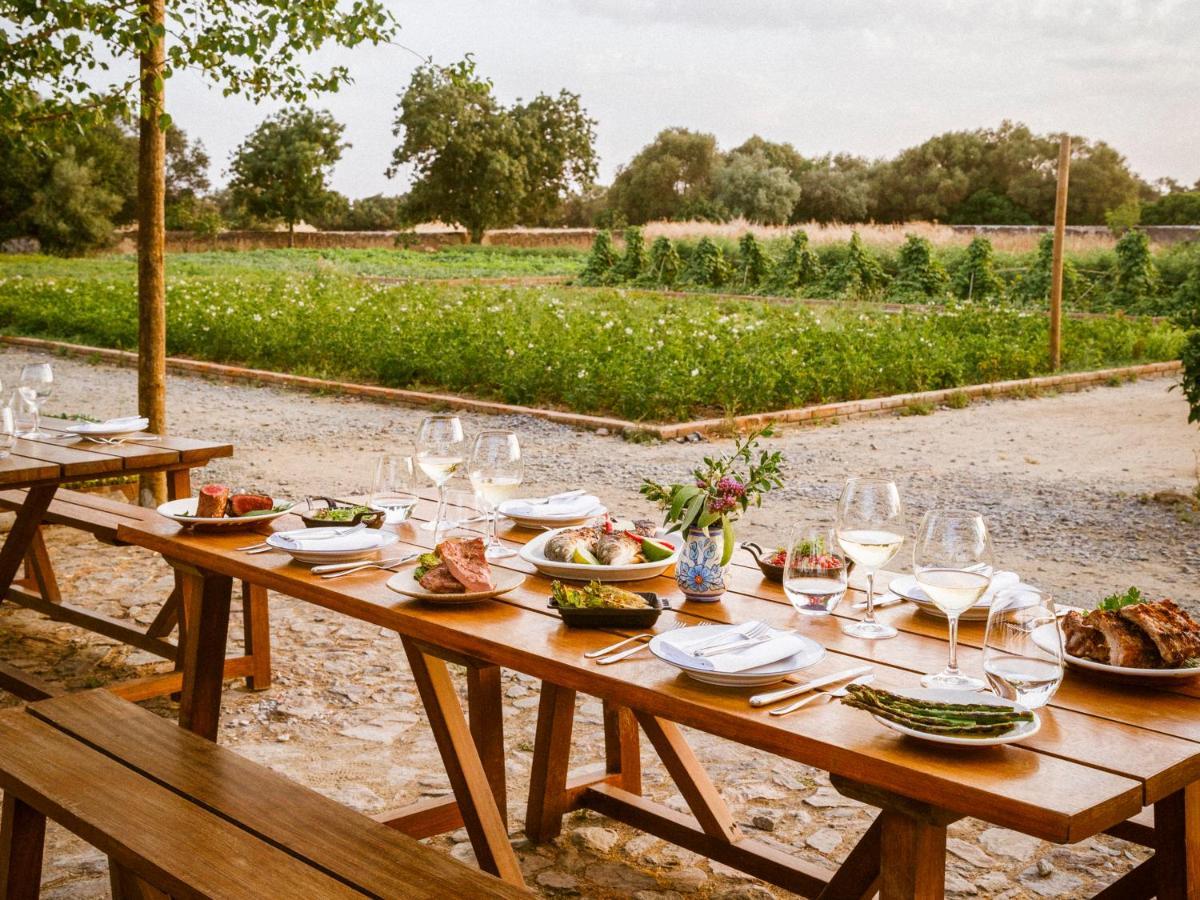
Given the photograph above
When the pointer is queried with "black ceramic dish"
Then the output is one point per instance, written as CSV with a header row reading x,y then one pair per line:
x,y
373,518
771,571
612,617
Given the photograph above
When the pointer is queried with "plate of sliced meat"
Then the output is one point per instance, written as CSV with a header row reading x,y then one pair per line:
x,y
455,572
218,507
1142,639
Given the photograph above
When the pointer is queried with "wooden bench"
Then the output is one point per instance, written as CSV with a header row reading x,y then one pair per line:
x,y
191,819
100,517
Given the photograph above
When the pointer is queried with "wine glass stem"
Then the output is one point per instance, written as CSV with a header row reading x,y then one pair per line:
x,y
37,417
441,512
952,668
490,512
871,597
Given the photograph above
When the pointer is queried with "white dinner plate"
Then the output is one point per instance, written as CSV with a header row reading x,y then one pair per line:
x,y
183,512
369,542
906,586
1020,732
534,553
111,428
554,521
1043,637
770,673
504,580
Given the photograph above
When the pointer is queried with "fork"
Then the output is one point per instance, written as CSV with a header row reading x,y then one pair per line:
x,y
625,654
338,570
604,651
824,696
120,442
263,546
741,640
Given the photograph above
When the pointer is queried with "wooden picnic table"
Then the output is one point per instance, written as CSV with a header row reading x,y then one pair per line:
x,y
43,466
1110,757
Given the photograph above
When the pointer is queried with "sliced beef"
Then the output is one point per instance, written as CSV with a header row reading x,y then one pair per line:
x,y
1082,639
1174,635
440,581
467,563
1128,645
211,501
242,503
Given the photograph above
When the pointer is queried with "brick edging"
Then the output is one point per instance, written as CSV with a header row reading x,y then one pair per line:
x,y
845,409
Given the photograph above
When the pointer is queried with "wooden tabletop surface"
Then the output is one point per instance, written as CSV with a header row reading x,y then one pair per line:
x,y
1105,748
48,461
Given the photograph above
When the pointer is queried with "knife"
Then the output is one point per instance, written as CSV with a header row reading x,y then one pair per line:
x,y
775,696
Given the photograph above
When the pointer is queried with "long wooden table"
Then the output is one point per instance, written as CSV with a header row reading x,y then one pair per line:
x,y
1110,757
43,466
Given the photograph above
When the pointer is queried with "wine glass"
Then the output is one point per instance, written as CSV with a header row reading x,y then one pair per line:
x,y
8,430
952,562
814,575
440,450
870,529
392,488
37,381
496,471
1022,648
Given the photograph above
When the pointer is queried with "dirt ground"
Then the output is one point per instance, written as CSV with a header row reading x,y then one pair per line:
x,y
1067,482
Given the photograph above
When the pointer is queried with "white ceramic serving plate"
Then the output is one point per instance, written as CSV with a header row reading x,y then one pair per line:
x,y
373,540
504,580
756,677
906,586
1043,637
182,511
554,521
111,428
940,695
534,553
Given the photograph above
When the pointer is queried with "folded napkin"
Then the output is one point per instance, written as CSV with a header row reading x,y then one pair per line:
x,y
781,645
573,506
365,539
126,423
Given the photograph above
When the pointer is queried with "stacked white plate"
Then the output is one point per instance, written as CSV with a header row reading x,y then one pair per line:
x,y
556,514
672,647
112,428
315,547
906,586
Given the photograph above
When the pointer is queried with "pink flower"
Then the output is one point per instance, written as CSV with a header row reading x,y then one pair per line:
x,y
731,486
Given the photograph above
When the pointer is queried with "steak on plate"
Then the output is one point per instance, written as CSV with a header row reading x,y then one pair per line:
x,y
1082,639
438,580
1174,634
211,501
467,563
242,503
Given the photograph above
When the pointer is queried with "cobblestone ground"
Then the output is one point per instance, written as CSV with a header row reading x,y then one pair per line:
x,y
1066,479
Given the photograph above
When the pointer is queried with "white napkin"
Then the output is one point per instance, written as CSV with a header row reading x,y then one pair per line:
x,y
1001,581
124,423
781,645
358,540
573,506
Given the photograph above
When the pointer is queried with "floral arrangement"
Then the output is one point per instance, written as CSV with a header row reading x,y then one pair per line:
x,y
722,489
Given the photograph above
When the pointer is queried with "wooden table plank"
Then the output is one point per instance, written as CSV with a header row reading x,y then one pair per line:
x,y
190,450
21,471
73,460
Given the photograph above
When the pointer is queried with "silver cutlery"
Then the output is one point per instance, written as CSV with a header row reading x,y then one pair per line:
x,y
625,654
565,495
337,570
825,697
119,442
736,633
758,636
604,651
257,546
263,546
783,693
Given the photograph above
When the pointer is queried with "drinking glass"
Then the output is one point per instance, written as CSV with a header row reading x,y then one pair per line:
x,y
814,575
441,447
495,470
37,381
952,562
392,488
8,431
870,529
1022,648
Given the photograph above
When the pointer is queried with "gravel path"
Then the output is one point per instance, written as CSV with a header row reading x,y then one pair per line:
x,y
1066,481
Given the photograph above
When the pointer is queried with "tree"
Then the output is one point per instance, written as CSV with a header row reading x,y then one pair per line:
x,y
71,212
281,170
835,189
51,52
750,186
668,177
1187,317
1178,208
480,164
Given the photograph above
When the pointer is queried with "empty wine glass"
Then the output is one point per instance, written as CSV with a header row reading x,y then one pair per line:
x,y
814,575
1022,648
870,529
441,447
8,431
392,488
496,471
952,562
37,381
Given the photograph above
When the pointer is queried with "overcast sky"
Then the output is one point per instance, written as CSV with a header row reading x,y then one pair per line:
x,y
837,75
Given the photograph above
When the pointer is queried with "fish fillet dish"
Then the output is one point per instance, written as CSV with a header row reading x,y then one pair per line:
x,y
1138,635
609,544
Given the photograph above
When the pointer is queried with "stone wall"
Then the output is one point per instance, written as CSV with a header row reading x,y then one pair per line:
x,y
1159,234
189,242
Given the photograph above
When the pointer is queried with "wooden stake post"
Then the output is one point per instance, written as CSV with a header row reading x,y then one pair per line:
x,y
1056,271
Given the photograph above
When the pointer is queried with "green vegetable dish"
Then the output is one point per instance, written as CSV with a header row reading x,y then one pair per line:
x,y
341,513
425,562
957,719
595,596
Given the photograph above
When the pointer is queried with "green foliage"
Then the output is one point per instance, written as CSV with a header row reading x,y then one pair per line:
x,y
1121,218
798,267
280,171
71,212
986,206
669,178
484,165
858,276
707,266
976,277
1177,208
1033,287
642,355
600,262
752,266
665,264
750,186
1187,316
1135,280
631,265
920,274
836,188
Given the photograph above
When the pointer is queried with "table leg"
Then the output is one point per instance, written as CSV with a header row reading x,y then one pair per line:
x,y
465,768
485,713
912,858
179,484
622,755
551,759
1177,844
21,535
22,836
204,651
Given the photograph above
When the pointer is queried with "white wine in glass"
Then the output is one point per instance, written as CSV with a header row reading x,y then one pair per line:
x,y
441,450
870,530
952,562
495,471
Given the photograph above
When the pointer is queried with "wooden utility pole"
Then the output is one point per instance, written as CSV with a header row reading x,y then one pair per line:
x,y
1056,266
152,316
